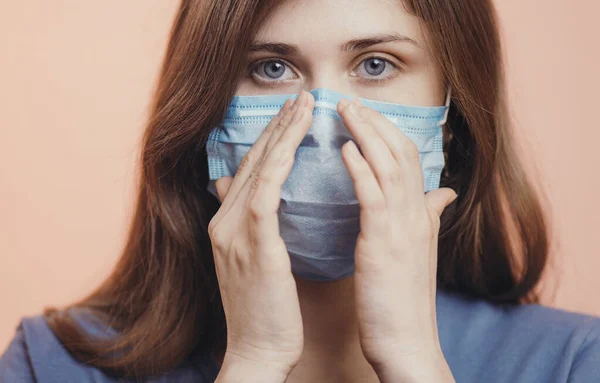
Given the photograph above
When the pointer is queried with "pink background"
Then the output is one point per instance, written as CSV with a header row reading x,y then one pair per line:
x,y
76,81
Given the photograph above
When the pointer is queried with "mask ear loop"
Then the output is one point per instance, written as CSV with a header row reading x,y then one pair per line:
x,y
448,99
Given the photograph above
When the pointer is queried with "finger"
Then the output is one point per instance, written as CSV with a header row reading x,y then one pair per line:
x,y
265,193
222,185
437,200
250,159
403,148
373,219
374,149
249,186
281,127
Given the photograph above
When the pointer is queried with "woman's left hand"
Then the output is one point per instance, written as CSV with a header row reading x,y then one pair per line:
x,y
396,250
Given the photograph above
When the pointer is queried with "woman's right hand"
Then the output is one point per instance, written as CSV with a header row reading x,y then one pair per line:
x,y
260,300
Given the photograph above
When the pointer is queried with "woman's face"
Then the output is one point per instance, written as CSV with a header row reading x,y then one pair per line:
x,y
371,49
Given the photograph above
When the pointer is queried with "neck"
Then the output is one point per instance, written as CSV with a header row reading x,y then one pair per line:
x,y
332,350
328,312
331,342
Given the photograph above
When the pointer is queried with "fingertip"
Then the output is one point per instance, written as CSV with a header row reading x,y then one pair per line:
x,y
285,107
222,185
453,196
439,199
344,102
309,100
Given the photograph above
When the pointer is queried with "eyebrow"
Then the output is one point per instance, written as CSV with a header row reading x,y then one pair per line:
x,y
348,46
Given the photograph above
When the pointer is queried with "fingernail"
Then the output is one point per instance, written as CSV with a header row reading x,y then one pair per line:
x,y
344,103
298,115
354,110
360,109
301,98
305,98
283,107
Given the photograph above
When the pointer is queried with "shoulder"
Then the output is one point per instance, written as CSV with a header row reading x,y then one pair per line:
x,y
519,341
14,363
36,355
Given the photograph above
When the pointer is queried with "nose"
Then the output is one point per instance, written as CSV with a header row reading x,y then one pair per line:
x,y
328,78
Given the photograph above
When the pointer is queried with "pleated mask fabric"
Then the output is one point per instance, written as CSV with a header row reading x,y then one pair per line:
x,y
319,213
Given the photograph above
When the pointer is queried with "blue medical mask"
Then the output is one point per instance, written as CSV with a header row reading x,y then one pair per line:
x,y
319,213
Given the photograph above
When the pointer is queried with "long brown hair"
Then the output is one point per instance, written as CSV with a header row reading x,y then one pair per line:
x,y
163,295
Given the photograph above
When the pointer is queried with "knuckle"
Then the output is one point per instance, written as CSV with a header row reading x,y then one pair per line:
x,y
256,211
237,250
285,121
256,214
218,240
248,158
410,149
211,226
219,246
255,180
261,179
392,176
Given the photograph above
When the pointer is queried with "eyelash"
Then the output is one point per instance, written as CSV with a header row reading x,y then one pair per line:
x,y
253,66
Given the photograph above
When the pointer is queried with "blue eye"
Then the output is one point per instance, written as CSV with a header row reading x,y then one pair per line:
x,y
272,70
374,66
375,69
372,69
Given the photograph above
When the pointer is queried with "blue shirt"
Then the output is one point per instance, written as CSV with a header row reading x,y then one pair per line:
x,y
482,342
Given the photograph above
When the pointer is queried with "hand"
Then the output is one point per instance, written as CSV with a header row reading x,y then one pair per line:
x,y
260,300
396,250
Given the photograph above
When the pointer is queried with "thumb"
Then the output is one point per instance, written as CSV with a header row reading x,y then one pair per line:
x,y
437,200
222,185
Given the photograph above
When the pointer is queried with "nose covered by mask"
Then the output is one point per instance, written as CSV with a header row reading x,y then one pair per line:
x,y
319,212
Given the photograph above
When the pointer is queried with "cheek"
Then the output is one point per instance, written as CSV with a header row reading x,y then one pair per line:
x,y
416,85
245,86
414,89
425,86
248,87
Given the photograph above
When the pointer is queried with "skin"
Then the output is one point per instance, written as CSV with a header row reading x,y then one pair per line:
x,y
379,324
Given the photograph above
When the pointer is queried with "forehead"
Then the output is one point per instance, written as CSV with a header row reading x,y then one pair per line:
x,y
310,23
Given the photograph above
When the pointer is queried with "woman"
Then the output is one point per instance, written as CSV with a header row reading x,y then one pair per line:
x,y
297,218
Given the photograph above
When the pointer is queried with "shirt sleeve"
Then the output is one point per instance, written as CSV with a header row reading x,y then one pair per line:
x,y
586,366
15,365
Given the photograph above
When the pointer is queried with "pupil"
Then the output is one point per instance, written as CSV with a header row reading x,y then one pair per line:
x,y
374,66
274,69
